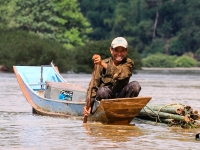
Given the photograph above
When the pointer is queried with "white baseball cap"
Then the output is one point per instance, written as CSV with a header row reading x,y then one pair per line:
x,y
119,41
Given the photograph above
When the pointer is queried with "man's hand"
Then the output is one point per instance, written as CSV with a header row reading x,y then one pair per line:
x,y
97,59
86,112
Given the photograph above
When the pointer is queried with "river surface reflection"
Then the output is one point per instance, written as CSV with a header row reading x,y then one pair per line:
x,y
20,129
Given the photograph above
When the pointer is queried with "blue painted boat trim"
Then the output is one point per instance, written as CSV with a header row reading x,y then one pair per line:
x,y
30,77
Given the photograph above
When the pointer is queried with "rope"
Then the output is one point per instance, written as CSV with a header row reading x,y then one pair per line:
x,y
157,117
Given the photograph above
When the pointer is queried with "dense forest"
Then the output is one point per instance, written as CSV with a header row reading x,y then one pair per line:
x,y
160,33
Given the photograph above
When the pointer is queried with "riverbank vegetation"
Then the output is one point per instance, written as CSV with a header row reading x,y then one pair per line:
x,y
23,48
169,61
159,33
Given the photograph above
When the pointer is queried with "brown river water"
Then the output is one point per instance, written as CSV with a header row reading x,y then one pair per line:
x,y
22,130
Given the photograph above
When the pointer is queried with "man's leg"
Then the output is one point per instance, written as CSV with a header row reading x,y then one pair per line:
x,y
104,93
130,90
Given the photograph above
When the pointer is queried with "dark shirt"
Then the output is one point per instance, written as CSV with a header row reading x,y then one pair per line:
x,y
114,77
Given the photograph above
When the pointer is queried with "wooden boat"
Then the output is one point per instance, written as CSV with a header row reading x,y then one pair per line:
x,y
42,85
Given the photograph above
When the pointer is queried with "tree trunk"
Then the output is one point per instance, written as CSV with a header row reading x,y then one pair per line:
x,y
167,46
155,24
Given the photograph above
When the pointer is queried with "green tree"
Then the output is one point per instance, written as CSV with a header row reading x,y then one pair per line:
x,y
99,15
185,26
23,48
124,20
159,60
6,10
60,20
185,61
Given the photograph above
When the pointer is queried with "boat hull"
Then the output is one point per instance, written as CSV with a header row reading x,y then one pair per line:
x,y
45,106
45,101
120,111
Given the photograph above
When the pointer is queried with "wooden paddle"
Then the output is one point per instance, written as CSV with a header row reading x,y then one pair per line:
x,y
90,93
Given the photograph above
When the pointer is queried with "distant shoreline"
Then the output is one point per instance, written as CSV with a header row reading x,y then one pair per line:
x,y
177,68
3,68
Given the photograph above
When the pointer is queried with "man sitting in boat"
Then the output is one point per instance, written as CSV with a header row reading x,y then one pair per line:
x,y
111,78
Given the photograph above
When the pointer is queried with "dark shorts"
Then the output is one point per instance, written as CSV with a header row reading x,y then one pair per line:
x,y
132,89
